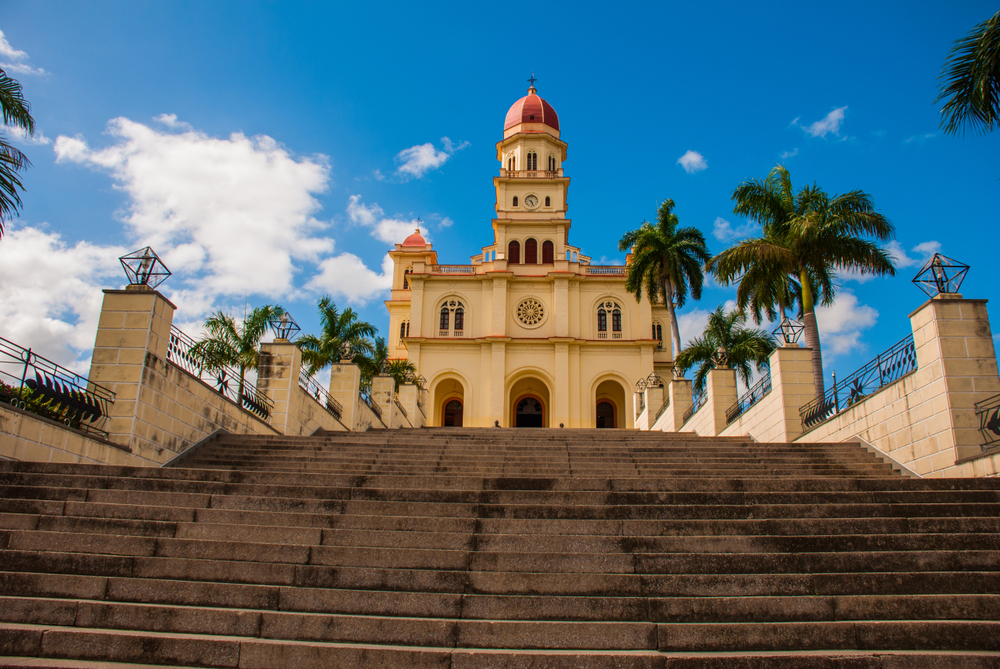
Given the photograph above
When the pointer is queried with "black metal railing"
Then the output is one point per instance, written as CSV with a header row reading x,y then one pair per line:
x,y
225,380
697,402
988,413
367,399
886,368
659,413
36,384
318,392
401,409
749,398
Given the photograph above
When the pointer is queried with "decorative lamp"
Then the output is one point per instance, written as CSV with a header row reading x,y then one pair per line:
x,y
345,351
640,385
384,368
654,380
941,274
144,268
284,327
788,331
421,381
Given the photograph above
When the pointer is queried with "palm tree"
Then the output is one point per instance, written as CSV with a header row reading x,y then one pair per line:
x,y
972,80
402,371
807,236
338,328
373,363
229,343
668,261
726,344
16,114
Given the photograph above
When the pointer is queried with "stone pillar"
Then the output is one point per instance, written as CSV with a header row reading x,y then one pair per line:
x,y
655,396
956,367
560,304
408,398
680,401
792,382
345,384
721,395
560,399
383,395
277,377
498,374
134,322
499,317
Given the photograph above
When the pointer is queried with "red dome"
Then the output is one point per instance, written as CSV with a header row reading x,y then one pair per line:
x,y
531,109
416,239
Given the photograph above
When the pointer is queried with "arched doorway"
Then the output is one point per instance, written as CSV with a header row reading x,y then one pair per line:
x,y
529,412
452,416
605,414
609,405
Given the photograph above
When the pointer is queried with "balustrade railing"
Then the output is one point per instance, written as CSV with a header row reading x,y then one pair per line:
x,y
319,393
988,413
606,270
697,401
453,269
223,379
32,383
886,368
749,398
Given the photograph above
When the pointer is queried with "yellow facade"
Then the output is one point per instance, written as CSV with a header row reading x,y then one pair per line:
x,y
530,327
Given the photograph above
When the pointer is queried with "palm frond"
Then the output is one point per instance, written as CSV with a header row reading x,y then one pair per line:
x,y
971,81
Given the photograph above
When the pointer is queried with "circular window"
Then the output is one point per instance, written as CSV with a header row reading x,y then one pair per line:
x,y
530,312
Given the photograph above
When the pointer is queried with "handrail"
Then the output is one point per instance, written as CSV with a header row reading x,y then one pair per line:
x,y
697,402
401,409
376,409
659,413
52,390
886,368
988,413
606,270
225,380
749,398
453,269
319,393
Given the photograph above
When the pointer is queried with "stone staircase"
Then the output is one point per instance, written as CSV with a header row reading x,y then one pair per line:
x,y
499,548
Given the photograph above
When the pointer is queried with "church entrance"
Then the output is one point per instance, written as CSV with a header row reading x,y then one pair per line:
x,y
453,410
605,414
529,412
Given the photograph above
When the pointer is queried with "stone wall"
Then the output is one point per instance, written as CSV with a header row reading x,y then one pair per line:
x,y
296,412
25,436
775,418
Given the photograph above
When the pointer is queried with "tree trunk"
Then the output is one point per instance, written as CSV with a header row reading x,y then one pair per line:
x,y
675,333
812,332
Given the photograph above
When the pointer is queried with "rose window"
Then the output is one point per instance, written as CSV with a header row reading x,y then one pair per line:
x,y
530,312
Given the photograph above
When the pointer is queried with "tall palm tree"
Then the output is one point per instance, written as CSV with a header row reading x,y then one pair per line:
x,y
668,261
16,114
972,80
726,344
229,343
807,237
338,328
372,363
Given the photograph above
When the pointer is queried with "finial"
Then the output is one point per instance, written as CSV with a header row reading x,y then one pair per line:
x,y
532,80
418,224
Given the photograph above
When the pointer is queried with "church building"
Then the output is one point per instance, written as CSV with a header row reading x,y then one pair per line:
x,y
529,334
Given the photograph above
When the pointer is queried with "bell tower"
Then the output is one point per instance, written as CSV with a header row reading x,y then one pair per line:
x,y
531,185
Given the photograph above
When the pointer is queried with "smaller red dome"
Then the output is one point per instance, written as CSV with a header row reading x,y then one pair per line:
x,y
531,109
416,239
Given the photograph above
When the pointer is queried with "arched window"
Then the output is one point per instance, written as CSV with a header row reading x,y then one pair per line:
x,y
532,160
552,163
548,201
548,252
658,334
407,328
447,309
531,252
402,329
511,163
406,279
515,200
513,253
603,310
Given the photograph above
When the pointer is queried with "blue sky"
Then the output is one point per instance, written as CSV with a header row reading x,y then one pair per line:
x,y
271,151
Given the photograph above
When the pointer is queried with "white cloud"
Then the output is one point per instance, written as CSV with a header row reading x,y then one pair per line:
x,y
785,155
923,252
446,222
50,293
692,162
919,139
170,120
389,230
610,261
828,124
9,52
346,276
724,231
21,135
691,324
418,160
840,325
234,213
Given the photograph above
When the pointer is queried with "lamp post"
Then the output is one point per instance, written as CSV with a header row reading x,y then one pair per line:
x,y
941,275
284,327
144,268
